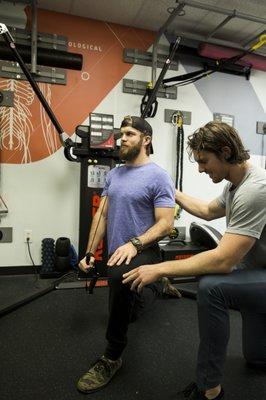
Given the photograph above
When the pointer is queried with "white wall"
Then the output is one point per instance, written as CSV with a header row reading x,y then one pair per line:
x,y
258,81
44,197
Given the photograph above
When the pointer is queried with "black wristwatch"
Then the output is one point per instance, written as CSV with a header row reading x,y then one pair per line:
x,y
137,244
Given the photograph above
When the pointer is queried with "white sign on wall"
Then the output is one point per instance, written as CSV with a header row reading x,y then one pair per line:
x,y
97,175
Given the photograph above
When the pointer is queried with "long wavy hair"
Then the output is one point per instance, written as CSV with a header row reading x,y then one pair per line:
x,y
213,137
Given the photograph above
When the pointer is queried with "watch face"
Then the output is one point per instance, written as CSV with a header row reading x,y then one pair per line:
x,y
137,243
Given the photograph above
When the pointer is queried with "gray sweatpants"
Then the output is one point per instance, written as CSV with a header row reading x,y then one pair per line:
x,y
243,290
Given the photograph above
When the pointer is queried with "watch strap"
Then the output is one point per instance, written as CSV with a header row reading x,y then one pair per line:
x,y
137,244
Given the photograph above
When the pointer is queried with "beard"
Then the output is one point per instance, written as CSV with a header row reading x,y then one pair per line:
x,y
130,153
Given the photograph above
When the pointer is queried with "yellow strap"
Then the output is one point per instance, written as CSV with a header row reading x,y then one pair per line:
x,y
177,211
180,122
261,42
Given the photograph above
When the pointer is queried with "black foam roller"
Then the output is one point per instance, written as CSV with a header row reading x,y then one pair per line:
x,y
48,256
62,264
47,57
62,247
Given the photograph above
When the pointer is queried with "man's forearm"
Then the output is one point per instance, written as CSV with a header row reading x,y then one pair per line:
x,y
207,262
194,206
97,232
158,230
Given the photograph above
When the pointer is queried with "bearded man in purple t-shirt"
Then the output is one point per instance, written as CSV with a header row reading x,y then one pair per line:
x,y
136,209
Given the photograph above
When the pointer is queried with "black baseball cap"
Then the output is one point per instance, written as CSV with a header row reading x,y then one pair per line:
x,y
140,124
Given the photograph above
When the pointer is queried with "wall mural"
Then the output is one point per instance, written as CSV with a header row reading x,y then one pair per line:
x,y
16,126
27,133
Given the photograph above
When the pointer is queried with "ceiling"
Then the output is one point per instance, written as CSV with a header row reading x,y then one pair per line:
x,y
196,23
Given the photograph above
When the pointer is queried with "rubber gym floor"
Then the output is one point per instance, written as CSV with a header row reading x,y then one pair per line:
x,y
48,342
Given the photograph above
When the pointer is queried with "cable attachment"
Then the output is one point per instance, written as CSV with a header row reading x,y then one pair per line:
x,y
151,112
178,119
95,274
3,29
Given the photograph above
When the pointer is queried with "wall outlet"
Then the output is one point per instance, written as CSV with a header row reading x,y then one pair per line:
x,y
28,236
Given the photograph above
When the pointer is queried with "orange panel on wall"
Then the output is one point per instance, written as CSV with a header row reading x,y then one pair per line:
x,y
27,132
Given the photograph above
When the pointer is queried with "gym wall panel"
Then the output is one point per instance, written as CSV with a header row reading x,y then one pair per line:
x,y
101,44
246,100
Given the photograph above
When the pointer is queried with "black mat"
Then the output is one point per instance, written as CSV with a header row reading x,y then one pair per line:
x,y
48,343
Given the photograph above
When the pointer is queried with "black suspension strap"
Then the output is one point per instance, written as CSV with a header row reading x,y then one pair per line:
x,y
220,64
185,77
177,120
151,98
151,112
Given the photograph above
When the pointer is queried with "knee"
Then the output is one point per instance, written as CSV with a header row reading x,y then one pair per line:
x,y
115,275
209,287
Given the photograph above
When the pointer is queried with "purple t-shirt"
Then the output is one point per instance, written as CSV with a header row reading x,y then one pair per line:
x,y
133,194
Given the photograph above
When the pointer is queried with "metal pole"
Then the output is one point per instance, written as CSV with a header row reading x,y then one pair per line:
x,y
64,138
219,10
223,23
158,36
34,38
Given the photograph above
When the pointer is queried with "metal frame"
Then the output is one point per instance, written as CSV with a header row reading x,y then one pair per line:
x,y
140,57
11,70
133,86
220,10
34,38
230,14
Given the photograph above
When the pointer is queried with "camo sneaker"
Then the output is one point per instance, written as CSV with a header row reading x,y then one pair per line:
x,y
99,375
168,290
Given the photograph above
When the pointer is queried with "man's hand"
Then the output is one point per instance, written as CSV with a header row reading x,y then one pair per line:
x,y
122,253
83,266
142,276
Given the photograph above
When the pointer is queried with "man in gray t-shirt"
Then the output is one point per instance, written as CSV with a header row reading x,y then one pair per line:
x,y
233,275
137,208
245,207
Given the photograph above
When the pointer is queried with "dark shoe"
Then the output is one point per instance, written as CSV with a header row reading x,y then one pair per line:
x,y
98,375
192,392
168,290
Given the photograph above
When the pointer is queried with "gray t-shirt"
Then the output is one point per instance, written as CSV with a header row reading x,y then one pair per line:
x,y
133,194
246,213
